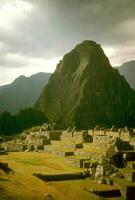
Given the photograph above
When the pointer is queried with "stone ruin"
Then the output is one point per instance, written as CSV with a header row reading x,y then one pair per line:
x,y
79,142
103,153
33,139
107,164
103,156
36,141
2,149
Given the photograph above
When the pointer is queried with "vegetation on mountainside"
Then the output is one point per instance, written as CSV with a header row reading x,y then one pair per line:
x,y
24,119
22,92
86,91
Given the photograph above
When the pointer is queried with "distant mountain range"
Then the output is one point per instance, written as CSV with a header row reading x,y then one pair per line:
x,y
22,92
85,91
128,70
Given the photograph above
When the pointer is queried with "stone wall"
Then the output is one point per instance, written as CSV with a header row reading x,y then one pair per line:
x,y
14,147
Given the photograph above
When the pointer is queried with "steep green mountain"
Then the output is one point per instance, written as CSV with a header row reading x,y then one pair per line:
x,y
128,70
85,90
23,92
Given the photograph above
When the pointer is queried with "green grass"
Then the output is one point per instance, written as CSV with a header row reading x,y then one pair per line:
x,y
23,186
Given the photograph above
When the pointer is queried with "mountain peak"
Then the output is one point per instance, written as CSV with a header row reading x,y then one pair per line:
x,y
85,56
87,45
20,77
85,90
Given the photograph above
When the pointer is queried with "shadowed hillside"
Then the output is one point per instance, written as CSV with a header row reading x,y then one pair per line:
x,y
128,70
23,92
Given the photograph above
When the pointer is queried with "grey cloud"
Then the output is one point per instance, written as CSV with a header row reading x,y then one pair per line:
x,y
54,27
75,20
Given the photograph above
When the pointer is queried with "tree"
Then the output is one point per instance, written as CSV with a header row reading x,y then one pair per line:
x,y
25,118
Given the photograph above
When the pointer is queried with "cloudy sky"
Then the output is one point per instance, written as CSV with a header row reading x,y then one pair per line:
x,y
35,34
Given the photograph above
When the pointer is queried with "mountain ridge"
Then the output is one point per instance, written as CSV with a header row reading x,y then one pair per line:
x,y
127,69
22,92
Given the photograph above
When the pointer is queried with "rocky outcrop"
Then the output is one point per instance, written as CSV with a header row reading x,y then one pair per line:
x,y
85,90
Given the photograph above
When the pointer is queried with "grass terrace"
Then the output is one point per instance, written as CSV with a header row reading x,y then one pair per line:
x,y
22,185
